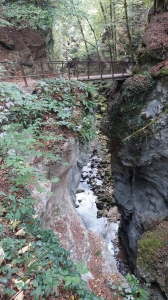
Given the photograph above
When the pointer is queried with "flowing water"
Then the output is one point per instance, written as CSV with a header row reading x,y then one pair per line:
x,y
86,208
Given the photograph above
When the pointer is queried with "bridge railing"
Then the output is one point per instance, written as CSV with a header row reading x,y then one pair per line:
x,y
69,69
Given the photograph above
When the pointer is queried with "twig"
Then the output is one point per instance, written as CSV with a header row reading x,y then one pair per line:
x,y
143,128
15,295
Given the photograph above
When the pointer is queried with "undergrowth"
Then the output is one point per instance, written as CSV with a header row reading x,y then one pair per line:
x,y
33,264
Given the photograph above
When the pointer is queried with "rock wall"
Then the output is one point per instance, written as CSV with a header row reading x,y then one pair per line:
x,y
140,165
22,44
58,213
137,127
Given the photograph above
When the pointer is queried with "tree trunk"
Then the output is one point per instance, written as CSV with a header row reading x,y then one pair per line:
x,y
128,30
107,30
92,29
160,5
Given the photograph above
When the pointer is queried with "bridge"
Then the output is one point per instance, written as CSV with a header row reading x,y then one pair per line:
x,y
84,70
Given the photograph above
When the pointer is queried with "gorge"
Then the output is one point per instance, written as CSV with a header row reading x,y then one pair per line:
x,y
50,131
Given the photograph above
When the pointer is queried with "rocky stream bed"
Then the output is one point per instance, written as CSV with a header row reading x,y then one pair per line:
x,y
95,203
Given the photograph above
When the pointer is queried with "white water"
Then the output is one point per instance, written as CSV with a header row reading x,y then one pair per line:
x,y
86,208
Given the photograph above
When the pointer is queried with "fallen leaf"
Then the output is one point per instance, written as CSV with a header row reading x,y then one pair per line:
x,y
25,249
15,223
2,255
20,283
34,216
20,232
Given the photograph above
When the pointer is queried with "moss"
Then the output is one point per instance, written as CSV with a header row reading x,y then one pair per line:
x,y
147,55
124,118
153,255
8,46
163,71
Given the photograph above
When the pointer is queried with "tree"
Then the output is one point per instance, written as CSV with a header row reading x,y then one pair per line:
x,y
128,30
160,5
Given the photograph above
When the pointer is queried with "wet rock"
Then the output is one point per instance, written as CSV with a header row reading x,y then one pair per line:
x,y
84,175
99,204
102,173
79,191
99,213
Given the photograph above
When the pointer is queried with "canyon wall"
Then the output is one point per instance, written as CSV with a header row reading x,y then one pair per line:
x,y
57,211
137,127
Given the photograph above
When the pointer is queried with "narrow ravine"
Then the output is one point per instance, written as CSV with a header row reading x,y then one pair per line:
x,y
96,220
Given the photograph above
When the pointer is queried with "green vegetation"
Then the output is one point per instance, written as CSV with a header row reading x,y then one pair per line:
x,y
39,266
22,14
163,72
124,119
153,255
130,290
94,29
30,122
33,126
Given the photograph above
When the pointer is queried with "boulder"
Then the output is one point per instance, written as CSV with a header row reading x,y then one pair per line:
x,y
22,44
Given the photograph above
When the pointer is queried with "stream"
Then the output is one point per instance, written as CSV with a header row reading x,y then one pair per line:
x,y
87,209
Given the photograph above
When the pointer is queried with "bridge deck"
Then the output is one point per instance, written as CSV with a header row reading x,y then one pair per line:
x,y
120,76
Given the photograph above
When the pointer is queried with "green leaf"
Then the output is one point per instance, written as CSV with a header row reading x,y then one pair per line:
x,y
11,197
35,283
24,209
82,268
55,179
38,291
17,215
2,193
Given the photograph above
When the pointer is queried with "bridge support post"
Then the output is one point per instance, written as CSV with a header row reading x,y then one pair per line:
x,y
23,74
88,69
69,72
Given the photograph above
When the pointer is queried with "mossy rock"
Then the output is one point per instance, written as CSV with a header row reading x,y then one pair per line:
x,y
147,55
124,118
152,260
163,71
8,45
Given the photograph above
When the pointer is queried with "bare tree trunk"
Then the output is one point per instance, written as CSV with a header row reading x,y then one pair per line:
x,y
92,29
128,30
160,5
107,29
114,29
82,32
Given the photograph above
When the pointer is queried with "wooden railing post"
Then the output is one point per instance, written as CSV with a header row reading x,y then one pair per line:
x,y
88,69
101,69
23,74
42,69
69,74
77,69
62,68
124,65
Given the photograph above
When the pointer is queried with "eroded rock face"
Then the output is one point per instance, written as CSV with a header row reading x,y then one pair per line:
x,y
140,166
24,45
59,214
155,40
152,262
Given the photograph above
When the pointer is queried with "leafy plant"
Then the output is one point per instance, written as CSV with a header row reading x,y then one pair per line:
x,y
130,290
38,263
